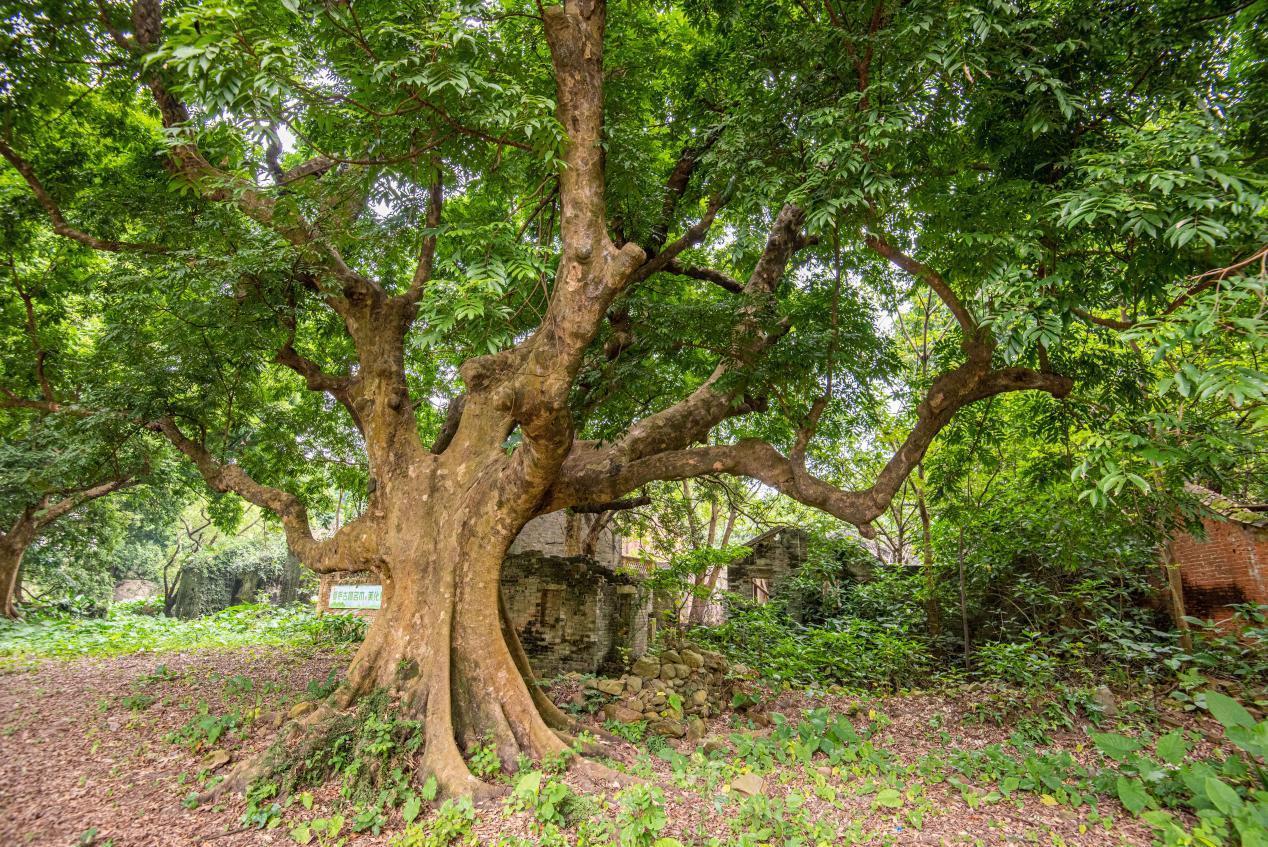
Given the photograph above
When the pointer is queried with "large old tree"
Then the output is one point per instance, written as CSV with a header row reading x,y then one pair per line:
x,y
508,258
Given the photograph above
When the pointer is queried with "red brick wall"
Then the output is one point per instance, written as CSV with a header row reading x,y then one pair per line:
x,y
1229,566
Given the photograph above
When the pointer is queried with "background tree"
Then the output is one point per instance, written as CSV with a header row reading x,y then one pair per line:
x,y
374,227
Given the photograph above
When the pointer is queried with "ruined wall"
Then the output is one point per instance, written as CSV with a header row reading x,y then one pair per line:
x,y
1229,566
563,534
776,553
572,614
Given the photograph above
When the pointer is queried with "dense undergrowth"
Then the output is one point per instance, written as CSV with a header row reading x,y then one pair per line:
x,y
127,628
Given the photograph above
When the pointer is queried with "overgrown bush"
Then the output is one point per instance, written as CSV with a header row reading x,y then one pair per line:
x,y
845,651
124,631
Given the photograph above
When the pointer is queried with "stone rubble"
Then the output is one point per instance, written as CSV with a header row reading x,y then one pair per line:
x,y
675,691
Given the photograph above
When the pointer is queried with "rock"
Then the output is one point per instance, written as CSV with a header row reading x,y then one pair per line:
x,y
668,672
657,701
748,784
696,729
633,684
1104,700
578,698
611,687
692,659
671,657
617,712
760,719
650,715
700,698
275,718
635,704
715,745
213,760
646,667
824,770
681,671
669,728
300,709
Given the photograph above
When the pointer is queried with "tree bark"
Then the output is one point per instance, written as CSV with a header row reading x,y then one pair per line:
x,y
10,564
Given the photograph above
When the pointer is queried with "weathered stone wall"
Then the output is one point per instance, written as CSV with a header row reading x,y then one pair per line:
x,y
563,534
675,691
776,554
572,614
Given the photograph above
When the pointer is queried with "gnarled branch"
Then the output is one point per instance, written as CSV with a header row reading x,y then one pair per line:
x,y
350,549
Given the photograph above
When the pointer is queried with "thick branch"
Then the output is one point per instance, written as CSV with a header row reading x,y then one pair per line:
x,y
314,377
691,419
346,551
612,505
675,188
591,474
705,274
574,31
427,253
693,236
453,417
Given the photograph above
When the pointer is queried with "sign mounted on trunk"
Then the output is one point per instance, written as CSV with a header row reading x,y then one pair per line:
x,y
356,596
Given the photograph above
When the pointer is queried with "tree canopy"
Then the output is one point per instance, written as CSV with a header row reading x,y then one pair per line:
x,y
480,261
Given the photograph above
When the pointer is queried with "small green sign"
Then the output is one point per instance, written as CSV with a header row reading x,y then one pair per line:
x,y
356,596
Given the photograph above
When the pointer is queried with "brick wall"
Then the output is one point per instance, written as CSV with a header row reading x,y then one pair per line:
x,y
776,554
1229,566
562,534
573,614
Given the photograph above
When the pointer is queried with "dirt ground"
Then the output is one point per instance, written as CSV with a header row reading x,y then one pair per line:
x,y
75,757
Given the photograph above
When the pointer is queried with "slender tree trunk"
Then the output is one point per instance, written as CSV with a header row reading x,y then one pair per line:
x,y
1175,595
964,608
933,612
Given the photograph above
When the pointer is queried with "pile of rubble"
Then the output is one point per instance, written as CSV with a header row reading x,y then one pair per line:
x,y
675,691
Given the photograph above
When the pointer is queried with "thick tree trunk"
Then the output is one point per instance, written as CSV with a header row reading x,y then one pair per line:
x,y
10,565
13,546
438,646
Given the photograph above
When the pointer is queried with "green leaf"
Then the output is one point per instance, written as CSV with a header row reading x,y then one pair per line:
x,y
1132,794
1114,745
1227,711
1172,747
890,798
411,809
302,834
1222,796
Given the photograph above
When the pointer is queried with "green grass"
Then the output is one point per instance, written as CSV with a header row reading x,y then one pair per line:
x,y
123,631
